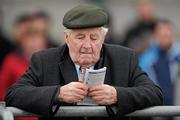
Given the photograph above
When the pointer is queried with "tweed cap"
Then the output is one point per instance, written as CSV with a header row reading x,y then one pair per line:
x,y
85,16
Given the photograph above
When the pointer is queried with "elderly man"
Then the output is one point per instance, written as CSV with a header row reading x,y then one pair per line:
x,y
52,78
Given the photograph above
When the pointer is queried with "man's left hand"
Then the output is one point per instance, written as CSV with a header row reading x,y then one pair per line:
x,y
103,94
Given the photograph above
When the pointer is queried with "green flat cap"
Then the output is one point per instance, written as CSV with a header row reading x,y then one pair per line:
x,y
85,16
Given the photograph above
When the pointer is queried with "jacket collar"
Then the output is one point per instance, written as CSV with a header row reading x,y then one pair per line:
x,y
67,67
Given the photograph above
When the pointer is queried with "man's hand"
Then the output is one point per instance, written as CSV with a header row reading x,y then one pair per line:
x,y
73,92
103,94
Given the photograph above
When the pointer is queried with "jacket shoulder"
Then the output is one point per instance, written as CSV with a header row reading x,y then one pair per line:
x,y
50,51
50,54
116,50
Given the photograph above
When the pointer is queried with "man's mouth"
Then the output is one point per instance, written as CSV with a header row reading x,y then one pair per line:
x,y
86,52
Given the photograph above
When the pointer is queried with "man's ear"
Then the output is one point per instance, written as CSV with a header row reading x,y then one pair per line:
x,y
103,39
66,38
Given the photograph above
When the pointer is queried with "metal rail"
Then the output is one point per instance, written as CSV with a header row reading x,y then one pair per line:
x,y
8,113
89,111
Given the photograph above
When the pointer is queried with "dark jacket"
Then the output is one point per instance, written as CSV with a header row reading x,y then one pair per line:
x,y
52,68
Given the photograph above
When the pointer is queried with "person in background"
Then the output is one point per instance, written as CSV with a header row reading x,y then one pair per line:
x,y
28,40
137,35
53,77
21,25
6,46
41,21
161,59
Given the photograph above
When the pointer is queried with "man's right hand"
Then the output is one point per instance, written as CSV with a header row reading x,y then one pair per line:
x,y
73,92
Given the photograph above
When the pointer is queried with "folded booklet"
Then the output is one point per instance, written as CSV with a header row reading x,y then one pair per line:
x,y
92,78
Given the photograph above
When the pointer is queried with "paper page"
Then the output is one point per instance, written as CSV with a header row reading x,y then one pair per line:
x,y
92,78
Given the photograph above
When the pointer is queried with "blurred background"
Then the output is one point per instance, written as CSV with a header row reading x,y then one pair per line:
x,y
123,12
150,27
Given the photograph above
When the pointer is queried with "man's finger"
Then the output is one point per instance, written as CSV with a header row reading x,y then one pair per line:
x,y
96,93
80,92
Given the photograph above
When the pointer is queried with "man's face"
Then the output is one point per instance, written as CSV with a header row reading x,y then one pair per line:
x,y
164,35
84,45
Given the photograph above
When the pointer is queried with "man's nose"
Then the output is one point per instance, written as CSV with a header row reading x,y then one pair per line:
x,y
87,44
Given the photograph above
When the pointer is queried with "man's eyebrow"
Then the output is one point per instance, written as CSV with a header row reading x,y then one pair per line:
x,y
94,35
79,34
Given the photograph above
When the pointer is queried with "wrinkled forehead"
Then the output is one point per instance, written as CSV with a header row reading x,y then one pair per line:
x,y
86,31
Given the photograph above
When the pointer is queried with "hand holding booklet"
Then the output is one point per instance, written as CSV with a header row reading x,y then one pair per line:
x,y
92,78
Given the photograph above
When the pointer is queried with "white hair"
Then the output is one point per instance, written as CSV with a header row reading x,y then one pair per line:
x,y
103,31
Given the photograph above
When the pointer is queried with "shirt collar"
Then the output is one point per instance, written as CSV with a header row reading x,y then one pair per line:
x,y
78,66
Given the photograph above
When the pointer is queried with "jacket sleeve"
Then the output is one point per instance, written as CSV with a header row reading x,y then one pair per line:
x,y
29,94
140,93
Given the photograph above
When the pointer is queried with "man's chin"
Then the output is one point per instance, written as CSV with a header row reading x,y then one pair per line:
x,y
86,63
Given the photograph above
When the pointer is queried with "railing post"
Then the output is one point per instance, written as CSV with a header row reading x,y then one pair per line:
x,y
4,113
177,89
